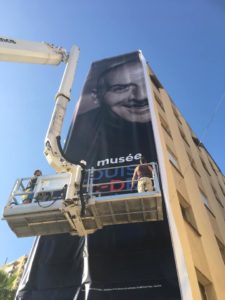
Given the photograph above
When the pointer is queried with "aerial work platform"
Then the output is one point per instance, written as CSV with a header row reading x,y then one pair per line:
x,y
107,202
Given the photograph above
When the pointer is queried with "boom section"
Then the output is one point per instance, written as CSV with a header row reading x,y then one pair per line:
x,y
13,50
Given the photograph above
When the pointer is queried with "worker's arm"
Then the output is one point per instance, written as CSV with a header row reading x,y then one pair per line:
x,y
134,177
150,168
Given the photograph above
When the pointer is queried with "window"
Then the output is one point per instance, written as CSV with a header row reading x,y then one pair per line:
x,y
205,167
176,115
187,212
202,291
197,141
222,249
173,159
188,216
212,166
159,102
204,199
222,190
165,126
184,136
205,286
216,196
192,162
156,82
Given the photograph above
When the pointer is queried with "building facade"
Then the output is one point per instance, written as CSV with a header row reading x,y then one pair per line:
x,y
15,269
197,198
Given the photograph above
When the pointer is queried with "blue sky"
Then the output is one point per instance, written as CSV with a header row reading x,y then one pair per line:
x,y
184,42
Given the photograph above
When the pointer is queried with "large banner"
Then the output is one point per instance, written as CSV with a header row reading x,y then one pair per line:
x,y
111,128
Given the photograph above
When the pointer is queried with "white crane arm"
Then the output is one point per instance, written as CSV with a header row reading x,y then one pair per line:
x,y
43,53
31,52
52,148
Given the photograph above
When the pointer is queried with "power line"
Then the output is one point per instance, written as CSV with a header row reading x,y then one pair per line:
x,y
211,119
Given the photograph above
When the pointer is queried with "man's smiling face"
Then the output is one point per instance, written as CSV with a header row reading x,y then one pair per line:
x,y
123,91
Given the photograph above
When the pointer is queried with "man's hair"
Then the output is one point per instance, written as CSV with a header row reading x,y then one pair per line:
x,y
143,160
37,171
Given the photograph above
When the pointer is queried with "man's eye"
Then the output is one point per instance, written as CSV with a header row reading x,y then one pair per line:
x,y
119,88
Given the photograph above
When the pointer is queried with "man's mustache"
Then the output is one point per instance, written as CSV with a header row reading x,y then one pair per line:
x,y
134,103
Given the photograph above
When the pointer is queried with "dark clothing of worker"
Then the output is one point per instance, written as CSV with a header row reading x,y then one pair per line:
x,y
145,171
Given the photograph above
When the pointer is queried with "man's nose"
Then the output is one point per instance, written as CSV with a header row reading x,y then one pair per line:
x,y
138,92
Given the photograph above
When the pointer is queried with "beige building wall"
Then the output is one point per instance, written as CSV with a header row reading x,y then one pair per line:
x,y
197,197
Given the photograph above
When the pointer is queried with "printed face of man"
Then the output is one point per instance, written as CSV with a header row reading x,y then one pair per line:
x,y
123,91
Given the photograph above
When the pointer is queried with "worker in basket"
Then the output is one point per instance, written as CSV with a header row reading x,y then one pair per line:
x,y
30,187
143,172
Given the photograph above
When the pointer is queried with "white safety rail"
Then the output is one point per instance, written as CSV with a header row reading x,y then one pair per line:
x,y
38,211
98,203
112,205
